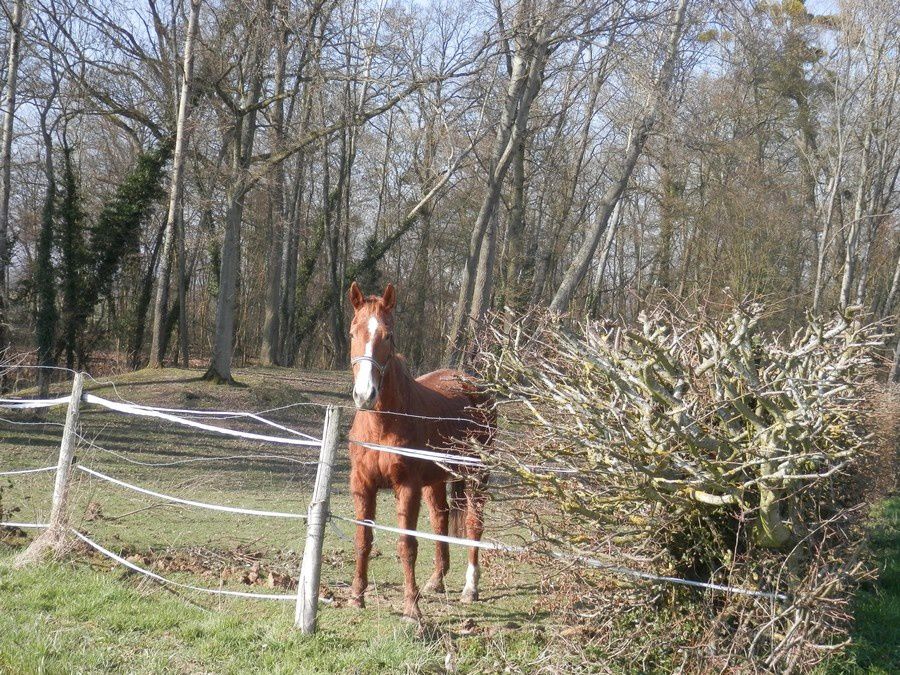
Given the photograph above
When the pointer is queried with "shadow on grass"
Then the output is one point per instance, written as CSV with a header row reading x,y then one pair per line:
x,y
101,384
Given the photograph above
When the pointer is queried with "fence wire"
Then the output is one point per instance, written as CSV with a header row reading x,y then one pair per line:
x,y
302,439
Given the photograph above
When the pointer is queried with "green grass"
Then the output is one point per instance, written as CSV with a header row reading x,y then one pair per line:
x,y
876,635
70,618
90,615
78,617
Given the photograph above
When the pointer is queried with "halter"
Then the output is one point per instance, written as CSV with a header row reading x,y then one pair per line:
x,y
373,361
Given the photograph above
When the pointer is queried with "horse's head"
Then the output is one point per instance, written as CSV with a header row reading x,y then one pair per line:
x,y
371,342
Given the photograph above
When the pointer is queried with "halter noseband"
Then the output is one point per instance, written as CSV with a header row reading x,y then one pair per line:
x,y
373,361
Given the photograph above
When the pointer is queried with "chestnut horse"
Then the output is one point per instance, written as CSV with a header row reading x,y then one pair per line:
x,y
440,411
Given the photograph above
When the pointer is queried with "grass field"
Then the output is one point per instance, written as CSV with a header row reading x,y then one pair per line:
x,y
87,614
876,636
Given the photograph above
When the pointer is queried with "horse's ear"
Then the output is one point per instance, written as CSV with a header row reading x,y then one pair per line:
x,y
390,297
356,296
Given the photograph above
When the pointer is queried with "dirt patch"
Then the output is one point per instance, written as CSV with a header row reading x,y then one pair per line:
x,y
241,565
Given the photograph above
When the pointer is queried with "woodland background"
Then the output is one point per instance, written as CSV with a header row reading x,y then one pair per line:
x,y
199,181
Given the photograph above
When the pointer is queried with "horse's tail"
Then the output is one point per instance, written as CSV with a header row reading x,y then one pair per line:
x,y
458,508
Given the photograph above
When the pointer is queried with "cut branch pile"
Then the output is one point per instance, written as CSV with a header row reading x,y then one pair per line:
x,y
704,447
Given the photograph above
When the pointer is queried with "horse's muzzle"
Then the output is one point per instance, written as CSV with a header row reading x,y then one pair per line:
x,y
366,400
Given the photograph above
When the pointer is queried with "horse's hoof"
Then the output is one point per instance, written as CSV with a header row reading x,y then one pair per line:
x,y
469,596
357,602
411,612
412,616
434,586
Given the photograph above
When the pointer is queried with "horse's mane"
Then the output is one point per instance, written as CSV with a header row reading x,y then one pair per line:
x,y
404,365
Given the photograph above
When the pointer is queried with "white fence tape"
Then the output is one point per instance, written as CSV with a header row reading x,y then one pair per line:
x,y
461,460
212,591
397,413
19,472
591,562
37,526
430,455
130,409
224,414
489,545
190,502
656,578
194,460
22,403
310,441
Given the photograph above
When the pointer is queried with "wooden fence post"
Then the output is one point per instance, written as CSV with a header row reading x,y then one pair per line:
x,y
54,536
311,568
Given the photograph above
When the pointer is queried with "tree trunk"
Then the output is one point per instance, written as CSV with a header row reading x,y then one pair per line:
x,y
514,291
16,26
219,370
44,277
418,292
143,303
223,339
333,222
861,201
824,236
72,256
895,368
243,137
291,259
608,242
268,353
292,282
852,242
181,297
638,136
672,191
175,190
524,81
175,312
481,296
894,292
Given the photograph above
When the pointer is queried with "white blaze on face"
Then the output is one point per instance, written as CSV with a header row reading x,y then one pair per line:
x,y
364,382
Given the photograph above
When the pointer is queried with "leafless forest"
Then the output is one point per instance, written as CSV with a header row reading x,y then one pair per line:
x,y
199,181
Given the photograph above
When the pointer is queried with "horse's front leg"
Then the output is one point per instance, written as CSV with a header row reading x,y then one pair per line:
x,y
439,512
409,499
364,499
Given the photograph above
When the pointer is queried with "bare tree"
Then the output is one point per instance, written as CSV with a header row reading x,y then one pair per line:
x,y
532,32
14,35
268,352
244,105
636,140
176,188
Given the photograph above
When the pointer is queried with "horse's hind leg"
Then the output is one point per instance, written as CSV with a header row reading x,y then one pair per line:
x,y
409,500
439,513
364,499
475,500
